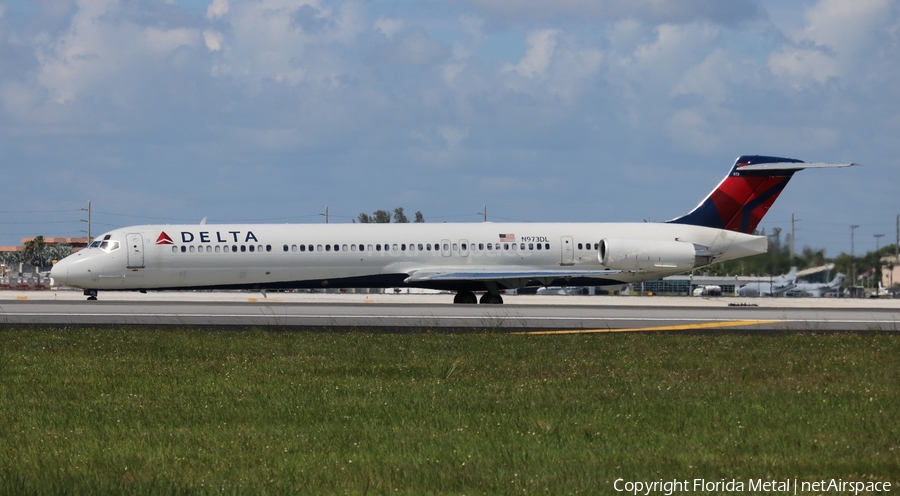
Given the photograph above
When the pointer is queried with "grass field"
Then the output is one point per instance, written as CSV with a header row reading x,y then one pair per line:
x,y
188,411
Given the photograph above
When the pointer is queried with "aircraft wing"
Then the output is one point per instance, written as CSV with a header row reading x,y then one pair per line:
x,y
455,274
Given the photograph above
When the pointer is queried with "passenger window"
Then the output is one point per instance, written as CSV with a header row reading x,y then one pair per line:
x,y
490,247
579,246
268,248
190,248
505,246
174,249
243,249
345,248
530,246
596,246
233,248
377,247
539,246
446,246
362,248
251,248
546,246
395,246
497,246
352,247
420,247
319,248
219,248
428,246
327,247
286,247
455,247
183,249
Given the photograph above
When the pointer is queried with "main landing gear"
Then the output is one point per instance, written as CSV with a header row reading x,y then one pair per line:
x,y
91,294
469,298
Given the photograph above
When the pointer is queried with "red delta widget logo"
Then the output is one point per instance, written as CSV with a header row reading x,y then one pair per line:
x,y
207,237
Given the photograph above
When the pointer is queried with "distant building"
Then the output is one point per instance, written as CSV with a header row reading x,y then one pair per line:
x,y
890,271
77,244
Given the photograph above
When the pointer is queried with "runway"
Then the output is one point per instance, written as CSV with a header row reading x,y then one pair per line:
x,y
390,313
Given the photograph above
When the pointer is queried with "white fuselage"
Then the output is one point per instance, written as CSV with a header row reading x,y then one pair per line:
x,y
384,255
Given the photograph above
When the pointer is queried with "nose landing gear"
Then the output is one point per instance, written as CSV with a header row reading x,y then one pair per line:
x,y
91,294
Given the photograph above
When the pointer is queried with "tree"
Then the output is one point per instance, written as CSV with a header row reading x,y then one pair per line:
x,y
364,218
34,250
399,216
381,216
419,217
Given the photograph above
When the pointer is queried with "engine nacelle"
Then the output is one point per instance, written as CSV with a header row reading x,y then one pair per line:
x,y
639,254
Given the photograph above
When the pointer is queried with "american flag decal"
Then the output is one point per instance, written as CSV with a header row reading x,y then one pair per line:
x,y
510,237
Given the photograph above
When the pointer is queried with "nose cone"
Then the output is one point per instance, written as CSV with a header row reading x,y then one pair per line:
x,y
60,272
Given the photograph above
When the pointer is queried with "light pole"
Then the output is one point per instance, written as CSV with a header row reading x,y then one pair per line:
x,y
877,256
852,259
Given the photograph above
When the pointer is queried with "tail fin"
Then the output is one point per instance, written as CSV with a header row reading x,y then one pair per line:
x,y
836,282
741,200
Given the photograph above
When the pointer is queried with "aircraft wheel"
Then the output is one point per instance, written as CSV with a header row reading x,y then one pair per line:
x,y
465,297
491,299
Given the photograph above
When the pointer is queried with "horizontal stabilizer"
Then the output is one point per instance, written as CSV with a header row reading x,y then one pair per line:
x,y
780,166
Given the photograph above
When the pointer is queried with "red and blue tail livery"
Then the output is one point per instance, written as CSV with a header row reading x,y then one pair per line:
x,y
742,199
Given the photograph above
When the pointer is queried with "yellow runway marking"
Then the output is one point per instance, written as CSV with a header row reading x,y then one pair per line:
x,y
681,327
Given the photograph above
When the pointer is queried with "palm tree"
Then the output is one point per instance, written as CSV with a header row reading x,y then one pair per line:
x,y
34,250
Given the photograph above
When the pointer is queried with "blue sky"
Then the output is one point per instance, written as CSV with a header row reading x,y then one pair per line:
x,y
573,110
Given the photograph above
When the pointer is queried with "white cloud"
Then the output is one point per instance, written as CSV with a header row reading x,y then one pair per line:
x,y
655,11
803,68
836,42
217,9
453,135
212,40
388,27
95,49
541,44
717,77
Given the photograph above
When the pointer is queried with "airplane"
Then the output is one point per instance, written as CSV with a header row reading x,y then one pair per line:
x,y
460,257
777,287
881,291
817,290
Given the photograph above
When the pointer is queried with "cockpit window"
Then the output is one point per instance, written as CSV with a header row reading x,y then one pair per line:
x,y
107,246
105,243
